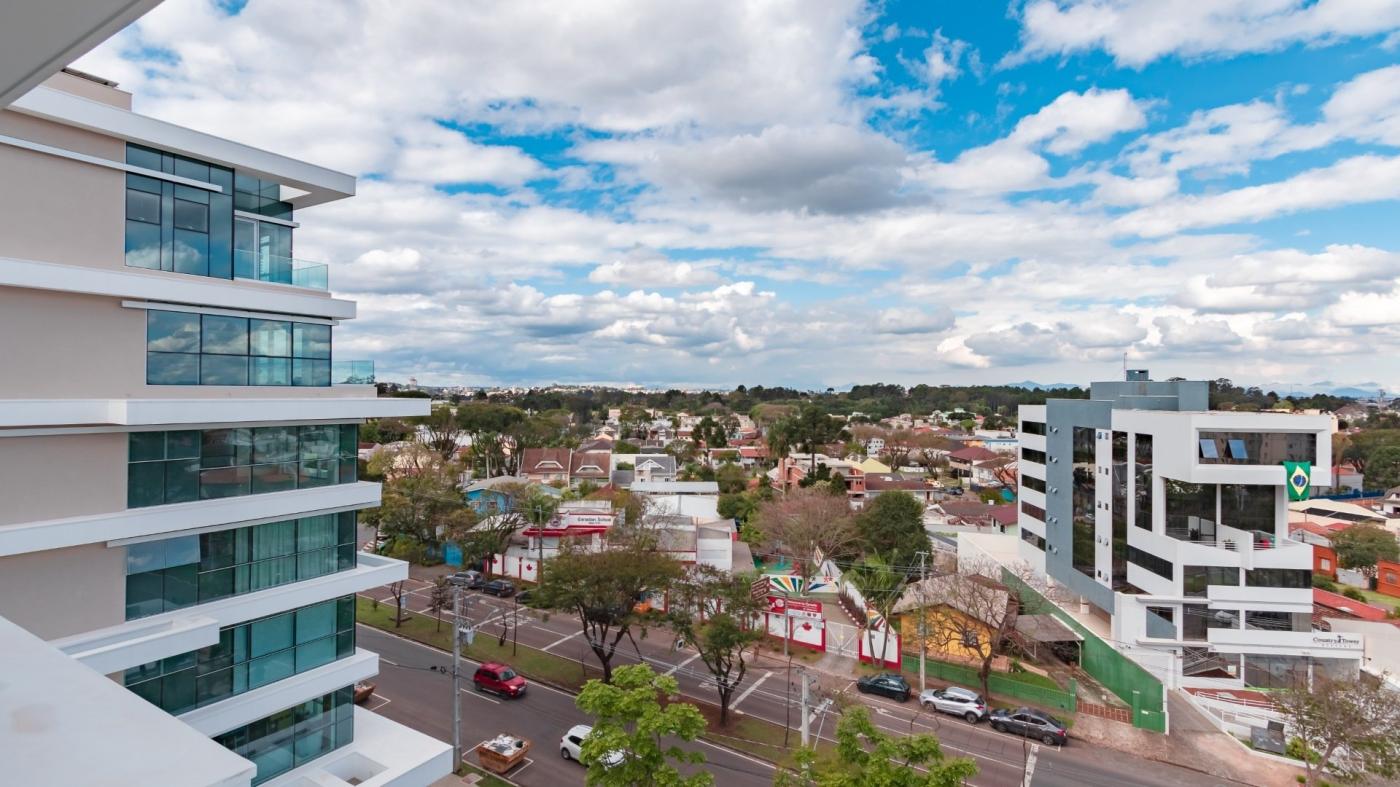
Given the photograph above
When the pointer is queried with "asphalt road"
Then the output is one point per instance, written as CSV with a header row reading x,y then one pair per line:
x,y
409,693
770,693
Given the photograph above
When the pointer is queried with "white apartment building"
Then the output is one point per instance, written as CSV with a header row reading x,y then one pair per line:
x,y
178,486
1169,522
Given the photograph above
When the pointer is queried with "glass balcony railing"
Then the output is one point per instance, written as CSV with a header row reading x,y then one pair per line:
x,y
352,373
260,266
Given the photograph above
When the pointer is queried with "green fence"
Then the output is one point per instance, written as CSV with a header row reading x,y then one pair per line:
x,y
1118,673
999,684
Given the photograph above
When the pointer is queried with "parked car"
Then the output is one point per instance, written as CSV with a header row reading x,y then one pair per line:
x,y
957,701
570,746
1031,723
363,691
499,679
470,579
893,686
498,587
524,596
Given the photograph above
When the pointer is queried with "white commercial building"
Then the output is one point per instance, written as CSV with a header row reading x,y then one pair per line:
x,y
1169,523
178,484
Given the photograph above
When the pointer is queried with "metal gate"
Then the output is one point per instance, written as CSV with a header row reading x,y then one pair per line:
x,y
842,639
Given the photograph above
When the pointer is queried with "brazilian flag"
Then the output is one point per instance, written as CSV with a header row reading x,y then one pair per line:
x,y
1299,479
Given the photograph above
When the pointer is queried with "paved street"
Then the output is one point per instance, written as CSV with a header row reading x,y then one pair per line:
x,y
408,692
1002,759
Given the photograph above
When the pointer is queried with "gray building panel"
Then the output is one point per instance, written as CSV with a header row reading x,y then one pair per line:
x,y
1061,416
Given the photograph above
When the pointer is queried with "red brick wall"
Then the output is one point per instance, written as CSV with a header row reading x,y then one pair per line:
x,y
1388,577
1325,561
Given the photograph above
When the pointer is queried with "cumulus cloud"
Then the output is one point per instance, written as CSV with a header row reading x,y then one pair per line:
x,y
739,183
1137,32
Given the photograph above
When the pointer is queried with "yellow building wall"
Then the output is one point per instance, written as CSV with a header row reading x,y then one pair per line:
x,y
943,626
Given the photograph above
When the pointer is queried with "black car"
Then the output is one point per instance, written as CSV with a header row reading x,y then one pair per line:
x,y
498,587
523,596
1031,723
893,686
467,579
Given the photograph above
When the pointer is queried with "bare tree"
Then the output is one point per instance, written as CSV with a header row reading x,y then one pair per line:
x,y
968,612
397,590
440,598
442,431
1349,729
803,523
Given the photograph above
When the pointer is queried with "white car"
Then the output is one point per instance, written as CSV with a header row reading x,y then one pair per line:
x,y
957,701
572,743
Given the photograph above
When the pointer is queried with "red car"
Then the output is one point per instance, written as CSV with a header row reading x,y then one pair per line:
x,y
499,679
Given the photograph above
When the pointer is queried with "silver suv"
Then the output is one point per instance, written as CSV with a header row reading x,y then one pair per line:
x,y
957,701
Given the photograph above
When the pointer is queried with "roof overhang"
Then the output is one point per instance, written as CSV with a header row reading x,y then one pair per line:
x,y
312,185
38,39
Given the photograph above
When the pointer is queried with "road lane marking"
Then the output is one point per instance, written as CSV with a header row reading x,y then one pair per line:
x,y
750,690
561,640
480,696
673,669
1030,765
386,661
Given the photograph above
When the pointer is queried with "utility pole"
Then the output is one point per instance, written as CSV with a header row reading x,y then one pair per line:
x,y
806,705
923,615
456,677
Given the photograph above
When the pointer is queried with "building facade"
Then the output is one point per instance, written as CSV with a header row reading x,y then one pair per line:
x,y
178,441
1169,522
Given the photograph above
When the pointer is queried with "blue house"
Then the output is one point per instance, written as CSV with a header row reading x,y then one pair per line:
x,y
487,496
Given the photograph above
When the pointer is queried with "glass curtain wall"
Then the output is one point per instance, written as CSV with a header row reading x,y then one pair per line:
x,y
1190,510
1142,481
174,227
1120,472
1082,501
295,736
184,466
248,656
180,572
207,349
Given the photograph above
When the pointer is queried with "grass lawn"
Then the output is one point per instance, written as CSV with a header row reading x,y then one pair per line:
x,y
758,737
1379,599
1035,679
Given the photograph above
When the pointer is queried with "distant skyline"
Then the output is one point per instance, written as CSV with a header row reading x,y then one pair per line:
x,y
703,194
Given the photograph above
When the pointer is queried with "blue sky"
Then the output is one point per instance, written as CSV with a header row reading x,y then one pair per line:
x,y
814,194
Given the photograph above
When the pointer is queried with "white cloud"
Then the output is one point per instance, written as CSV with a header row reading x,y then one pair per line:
x,y
1354,180
1137,32
653,271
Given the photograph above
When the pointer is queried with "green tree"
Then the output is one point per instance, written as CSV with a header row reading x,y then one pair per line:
x,y
1349,729
1360,546
629,718
420,499
731,478
602,588
712,611
1383,467
892,525
866,756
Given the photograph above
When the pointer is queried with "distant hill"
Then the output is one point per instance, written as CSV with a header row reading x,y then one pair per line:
x,y
1031,385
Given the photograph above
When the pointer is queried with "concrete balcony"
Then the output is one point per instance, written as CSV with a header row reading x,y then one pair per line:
x,y
264,701
144,640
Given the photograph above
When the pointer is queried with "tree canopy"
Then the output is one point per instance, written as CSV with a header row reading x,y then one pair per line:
x,y
892,525
1348,728
1360,546
867,756
630,720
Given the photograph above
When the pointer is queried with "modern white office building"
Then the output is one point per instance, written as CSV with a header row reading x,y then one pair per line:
x,y
178,487
1169,522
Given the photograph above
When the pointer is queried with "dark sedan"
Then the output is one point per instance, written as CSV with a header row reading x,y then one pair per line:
x,y
893,686
498,587
1031,723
